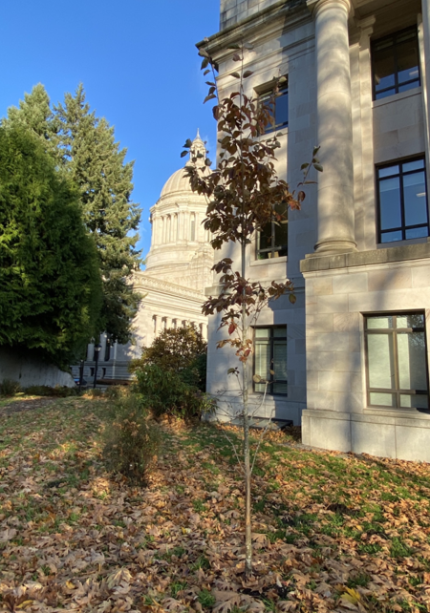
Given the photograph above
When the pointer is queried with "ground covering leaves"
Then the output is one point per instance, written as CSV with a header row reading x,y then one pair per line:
x,y
332,532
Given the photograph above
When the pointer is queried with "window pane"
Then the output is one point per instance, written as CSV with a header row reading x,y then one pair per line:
x,y
413,320
386,400
416,320
412,361
265,237
417,232
281,109
414,190
280,360
415,165
380,357
262,332
384,67
407,61
407,86
388,171
262,359
389,203
385,93
389,237
417,401
380,321
281,236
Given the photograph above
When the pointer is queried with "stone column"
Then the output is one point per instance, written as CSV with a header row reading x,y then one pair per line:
x,y
334,121
424,40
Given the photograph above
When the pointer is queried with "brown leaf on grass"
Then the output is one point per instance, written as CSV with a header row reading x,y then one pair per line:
x,y
8,535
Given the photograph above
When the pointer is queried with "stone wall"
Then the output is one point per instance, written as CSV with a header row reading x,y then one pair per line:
x,y
340,291
30,371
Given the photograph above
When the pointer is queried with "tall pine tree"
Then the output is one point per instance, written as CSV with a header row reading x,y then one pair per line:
x,y
84,147
35,114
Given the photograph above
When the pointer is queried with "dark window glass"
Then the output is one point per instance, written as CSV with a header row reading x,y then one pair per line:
x,y
270,359
402,195
397,361
395,62
272,240
107,350
278,106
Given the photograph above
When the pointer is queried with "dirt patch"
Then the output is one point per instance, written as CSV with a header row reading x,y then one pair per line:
x,y
25,404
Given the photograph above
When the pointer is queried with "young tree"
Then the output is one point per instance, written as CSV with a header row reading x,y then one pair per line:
x,y
85,148
50,283
242,193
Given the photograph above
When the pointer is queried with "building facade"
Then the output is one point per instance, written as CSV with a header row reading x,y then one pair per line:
x,y
351,356
178,268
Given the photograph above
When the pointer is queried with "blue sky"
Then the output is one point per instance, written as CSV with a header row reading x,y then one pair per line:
x,y
139,66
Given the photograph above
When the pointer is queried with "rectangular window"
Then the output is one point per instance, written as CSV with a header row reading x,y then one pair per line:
x,y
277,103
272,239
396,355
395,63
270,359
402,196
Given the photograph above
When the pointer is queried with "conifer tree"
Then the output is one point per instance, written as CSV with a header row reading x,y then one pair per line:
x,y
50,286
35,114
97,166
84,147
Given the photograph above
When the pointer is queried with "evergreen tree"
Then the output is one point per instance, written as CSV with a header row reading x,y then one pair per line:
x,y
50,286
85,148
35,113
97,166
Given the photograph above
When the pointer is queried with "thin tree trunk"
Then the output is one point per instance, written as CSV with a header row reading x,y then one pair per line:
x,y
246,450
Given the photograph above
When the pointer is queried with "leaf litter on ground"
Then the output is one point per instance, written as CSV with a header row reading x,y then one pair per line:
x,y
332,532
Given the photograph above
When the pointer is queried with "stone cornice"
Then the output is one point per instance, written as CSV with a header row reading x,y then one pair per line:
x,y
402,253
254,26
146,283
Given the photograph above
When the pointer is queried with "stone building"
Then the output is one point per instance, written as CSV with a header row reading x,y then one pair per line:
x,y
351,356
178,269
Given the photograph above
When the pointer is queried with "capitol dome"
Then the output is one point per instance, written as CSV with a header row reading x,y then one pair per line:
x,y
179,181
181,252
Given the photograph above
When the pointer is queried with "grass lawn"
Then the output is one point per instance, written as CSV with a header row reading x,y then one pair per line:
x,y
331,532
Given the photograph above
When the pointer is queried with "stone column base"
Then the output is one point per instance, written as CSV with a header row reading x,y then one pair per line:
x,y
385,433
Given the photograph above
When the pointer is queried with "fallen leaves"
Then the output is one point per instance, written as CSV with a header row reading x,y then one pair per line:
x,y
332,533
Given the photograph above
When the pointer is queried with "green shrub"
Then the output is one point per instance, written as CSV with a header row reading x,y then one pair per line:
x,y
132,441
46,390
114,392
181,351
9,387
166,392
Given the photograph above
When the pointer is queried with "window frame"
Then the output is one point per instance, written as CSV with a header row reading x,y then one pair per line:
x,y
264,94
403,228
395,331
394,36
273,248
271,338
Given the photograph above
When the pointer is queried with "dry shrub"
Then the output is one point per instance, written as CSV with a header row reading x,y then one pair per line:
x,y
132,440
114,392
